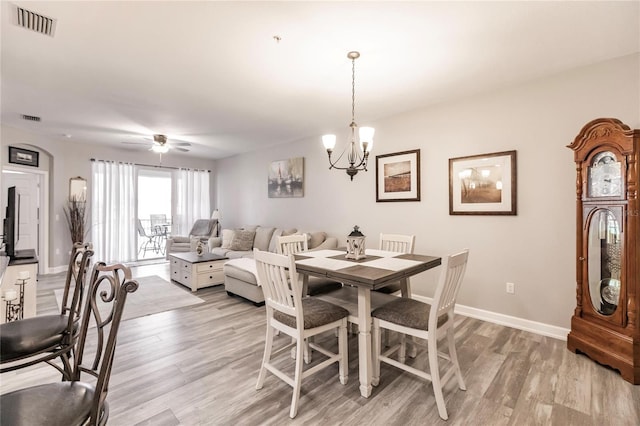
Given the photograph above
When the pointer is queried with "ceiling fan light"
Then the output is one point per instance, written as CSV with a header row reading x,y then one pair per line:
x,y
161,149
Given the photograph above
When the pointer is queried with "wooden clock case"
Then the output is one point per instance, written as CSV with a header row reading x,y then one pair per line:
x,y
607,333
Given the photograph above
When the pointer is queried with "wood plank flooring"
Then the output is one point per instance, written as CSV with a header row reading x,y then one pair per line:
x,y
198,365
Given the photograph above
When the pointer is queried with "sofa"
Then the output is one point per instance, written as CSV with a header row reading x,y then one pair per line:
x,y
240,270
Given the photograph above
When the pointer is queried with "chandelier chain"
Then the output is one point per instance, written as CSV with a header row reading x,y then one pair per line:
x,y
353,90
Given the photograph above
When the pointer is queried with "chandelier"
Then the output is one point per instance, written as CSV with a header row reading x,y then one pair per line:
x,y
357,159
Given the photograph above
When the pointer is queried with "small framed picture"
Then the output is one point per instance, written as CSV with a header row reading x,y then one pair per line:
x,y
483,184
398,176
22,156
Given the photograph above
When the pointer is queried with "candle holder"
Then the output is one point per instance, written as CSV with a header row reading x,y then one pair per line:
x,y
15,311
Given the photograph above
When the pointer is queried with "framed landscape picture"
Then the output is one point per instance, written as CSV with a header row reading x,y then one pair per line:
x,y
483,184
24,157
398,176
286,178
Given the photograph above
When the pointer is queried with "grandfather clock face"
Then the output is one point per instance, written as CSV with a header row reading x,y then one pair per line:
x,y
605,176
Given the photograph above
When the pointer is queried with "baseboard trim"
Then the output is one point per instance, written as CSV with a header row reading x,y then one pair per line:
x,y
507,320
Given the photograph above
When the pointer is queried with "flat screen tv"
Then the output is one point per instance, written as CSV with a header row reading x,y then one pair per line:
x,y
11,228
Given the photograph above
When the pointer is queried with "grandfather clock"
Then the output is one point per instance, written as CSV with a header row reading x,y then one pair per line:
x,y
605,325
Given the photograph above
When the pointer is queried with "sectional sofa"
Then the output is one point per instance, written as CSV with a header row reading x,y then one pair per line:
x,y
240,271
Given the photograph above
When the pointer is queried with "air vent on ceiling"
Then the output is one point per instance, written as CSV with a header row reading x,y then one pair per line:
x,y
30,117
35,21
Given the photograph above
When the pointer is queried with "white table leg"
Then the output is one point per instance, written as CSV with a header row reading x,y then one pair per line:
x,y
364,341
405,287
305,285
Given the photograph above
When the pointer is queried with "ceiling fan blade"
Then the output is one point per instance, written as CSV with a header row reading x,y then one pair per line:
x,y
180,149
181,144
135,143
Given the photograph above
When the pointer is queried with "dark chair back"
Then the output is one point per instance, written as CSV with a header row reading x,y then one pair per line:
x,y
101,317
74,286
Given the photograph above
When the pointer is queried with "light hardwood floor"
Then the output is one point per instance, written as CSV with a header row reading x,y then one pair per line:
x,y
199,365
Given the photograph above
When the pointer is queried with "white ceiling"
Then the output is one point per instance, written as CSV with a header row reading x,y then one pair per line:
x,y
212,74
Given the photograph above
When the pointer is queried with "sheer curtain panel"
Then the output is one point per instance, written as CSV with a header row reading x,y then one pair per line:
x,y
113,212
191,200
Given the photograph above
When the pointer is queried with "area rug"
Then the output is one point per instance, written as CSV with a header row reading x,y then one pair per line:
x,y
154,295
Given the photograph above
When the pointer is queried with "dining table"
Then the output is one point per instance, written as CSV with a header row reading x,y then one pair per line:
x,y
378,269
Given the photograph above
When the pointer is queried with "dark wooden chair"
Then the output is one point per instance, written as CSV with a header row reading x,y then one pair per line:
x,y
47,337
78,402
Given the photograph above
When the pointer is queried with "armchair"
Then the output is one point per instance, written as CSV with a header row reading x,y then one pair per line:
x,y
202,230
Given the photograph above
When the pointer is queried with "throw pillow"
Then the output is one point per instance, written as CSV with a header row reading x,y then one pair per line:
x,y
227,237
314,238
274,240
242,240
263,236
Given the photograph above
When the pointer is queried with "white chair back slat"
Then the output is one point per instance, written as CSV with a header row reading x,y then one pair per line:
x,y
279,280
447,291
292,244
397,243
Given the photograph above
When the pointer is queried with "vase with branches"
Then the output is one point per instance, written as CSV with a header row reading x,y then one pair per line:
x,y
75,213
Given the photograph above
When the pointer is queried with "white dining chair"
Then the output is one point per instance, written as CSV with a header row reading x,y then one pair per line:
x,y
399,244
301,318
428,322
292,244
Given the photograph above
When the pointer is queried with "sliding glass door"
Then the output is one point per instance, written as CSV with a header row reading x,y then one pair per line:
x,y
154,211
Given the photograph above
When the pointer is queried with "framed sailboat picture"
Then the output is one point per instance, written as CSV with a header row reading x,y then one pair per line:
x,y
286,178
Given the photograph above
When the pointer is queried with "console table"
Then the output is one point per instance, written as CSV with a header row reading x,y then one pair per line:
x,y
195,271
9,279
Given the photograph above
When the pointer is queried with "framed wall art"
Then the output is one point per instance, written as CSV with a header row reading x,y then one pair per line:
x,y
23,156
286,178
483,184
398,176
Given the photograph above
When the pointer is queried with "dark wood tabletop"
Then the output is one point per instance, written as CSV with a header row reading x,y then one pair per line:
x,y
363,274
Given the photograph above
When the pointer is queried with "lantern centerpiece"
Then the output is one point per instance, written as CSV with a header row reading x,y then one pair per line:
x,y
355,244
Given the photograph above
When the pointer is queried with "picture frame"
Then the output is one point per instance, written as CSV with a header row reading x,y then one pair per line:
x,y
23,157
484,184
398,176
286,178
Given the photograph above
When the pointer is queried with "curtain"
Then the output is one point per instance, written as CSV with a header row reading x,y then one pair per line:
x,y
113,211
191,199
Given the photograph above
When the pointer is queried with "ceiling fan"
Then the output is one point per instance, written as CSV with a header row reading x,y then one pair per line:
x,y
161,145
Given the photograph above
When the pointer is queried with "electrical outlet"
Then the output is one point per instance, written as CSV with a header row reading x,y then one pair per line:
x,y
511,288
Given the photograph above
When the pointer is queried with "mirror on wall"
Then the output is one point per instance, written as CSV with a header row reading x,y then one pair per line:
x,y
78,189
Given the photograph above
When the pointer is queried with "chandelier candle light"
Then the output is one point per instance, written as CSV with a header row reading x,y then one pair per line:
x,y
357,159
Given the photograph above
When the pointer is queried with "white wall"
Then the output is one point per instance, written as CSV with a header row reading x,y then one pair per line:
x,y
535,249
68,158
